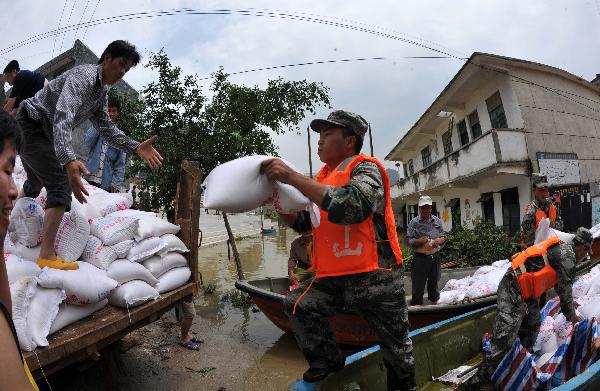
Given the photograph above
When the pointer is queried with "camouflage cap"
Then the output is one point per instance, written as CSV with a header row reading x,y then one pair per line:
x,y
341,119
539,180
584,236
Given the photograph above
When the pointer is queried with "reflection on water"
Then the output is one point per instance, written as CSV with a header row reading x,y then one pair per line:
x,y
261,256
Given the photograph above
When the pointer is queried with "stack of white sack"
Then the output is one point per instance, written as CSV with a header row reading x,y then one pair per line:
x,y
556,329
595,230
240,186
483,282
544,232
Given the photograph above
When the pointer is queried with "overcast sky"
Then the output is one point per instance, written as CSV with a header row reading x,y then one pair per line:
x,y
391,94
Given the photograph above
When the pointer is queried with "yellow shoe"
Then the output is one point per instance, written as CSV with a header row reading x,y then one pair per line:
x,y
57,263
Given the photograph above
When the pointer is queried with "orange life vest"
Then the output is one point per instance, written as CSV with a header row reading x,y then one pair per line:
x,y
540,214
350,249
534,284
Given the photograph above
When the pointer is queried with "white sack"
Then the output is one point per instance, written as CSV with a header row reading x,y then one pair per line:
x,y
153,226
28,254
21,293
97,254
42,312
239,186
132,294
72,235
86,285
145,249
159,265
451,297
173,279
68,314
113,230
547,340
106,203
173,244
124,271
26,222
17,268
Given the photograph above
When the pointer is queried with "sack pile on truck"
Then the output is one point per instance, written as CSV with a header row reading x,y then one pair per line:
x,y
111,244
240,186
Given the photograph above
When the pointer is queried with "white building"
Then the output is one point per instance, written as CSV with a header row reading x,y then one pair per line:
x,y
497,121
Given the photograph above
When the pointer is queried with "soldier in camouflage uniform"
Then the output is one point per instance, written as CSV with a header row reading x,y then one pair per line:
x,y
517,318
378,295
542,202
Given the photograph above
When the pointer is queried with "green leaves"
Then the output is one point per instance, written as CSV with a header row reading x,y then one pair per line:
x,y
482,245
227,122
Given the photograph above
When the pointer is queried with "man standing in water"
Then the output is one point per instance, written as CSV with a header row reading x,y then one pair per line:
x,y
356,254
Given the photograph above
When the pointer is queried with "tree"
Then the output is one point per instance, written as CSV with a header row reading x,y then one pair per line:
x,y
233,121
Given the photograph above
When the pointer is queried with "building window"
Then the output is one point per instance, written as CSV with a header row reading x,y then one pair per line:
x,y
405,169
496,110
463,135
454,205
487,206
447,141
474,124
411,168
426,155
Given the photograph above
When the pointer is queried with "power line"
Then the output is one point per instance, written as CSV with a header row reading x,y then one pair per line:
x,y
320,62
270,14
68,20
59,22
93,13
81,18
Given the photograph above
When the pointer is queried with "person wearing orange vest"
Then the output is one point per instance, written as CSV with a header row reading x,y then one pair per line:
x,y
356,254
546,265
541,207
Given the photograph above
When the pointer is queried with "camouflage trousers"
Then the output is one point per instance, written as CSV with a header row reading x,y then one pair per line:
x,y
513,318
378,296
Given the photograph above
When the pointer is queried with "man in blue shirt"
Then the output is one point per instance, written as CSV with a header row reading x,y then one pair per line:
x,y
105,163
25,84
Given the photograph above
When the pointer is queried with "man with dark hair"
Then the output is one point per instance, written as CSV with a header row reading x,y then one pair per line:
x,y
356,254
25,84
105,163
48,120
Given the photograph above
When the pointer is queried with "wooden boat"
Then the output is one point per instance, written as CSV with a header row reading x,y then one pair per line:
x,y
437,348
350,328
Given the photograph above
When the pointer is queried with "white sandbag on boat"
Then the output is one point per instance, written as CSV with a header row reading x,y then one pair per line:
x,y
42,198
544,232
68,313
21,293
483,270
113,230
160,264
153,226
124,271
547,340
483,288
563,328
132,294
106,203
581,286
72,235
42,312
26,222
590,306
29,254
86,285
145,249
239,186
131,213
17,268
123,248
453,296
173,279
97,254
173,244
594,288
9,247
454,284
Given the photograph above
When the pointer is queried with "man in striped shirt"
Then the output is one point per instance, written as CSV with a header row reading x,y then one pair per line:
x,y
48,120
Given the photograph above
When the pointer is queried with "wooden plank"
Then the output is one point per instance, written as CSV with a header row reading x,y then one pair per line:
x,y
187,211
107,325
